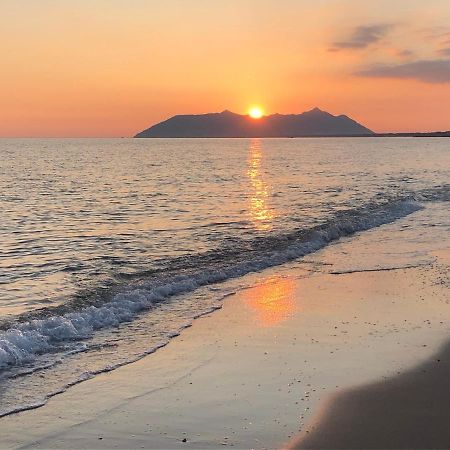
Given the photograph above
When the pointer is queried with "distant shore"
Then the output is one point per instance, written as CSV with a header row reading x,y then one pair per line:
x,y
418,134
313,123
438,134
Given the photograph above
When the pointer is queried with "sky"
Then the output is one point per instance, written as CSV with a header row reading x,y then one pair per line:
x,y
115,67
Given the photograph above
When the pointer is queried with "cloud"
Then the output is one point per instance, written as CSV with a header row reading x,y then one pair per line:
x,y
445,39
428,71
361,37
405,53
434,33
445,51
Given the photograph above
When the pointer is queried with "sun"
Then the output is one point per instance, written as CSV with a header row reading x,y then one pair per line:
x,y
255,112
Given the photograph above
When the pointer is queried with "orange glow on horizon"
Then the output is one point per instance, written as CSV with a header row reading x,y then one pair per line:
x,y
122,69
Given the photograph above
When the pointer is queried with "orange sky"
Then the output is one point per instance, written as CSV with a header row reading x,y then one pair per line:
x,y
114,67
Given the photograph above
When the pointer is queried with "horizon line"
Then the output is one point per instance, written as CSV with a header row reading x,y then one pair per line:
x,y
375,134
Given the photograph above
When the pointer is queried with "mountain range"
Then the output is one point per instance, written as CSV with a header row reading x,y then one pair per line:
x,y
231,125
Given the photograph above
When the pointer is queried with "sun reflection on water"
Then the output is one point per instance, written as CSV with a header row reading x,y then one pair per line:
x,y
272,301
260,213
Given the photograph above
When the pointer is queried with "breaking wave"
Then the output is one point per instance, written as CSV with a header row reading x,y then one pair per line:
x,y
50,331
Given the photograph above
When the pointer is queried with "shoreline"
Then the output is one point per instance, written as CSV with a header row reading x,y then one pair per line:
x,y
255,373
221,383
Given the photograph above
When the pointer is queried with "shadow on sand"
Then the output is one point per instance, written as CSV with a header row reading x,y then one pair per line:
x,y
411,410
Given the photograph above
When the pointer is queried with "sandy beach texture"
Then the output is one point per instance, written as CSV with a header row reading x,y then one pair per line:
x,y
308,357
409,411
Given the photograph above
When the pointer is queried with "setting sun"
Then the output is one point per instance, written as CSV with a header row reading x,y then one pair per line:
x,y
255,112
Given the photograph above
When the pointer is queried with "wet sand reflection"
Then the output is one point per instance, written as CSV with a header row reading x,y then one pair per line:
x,y
272,301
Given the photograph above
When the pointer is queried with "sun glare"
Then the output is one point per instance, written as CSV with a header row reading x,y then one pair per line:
x,y
255,112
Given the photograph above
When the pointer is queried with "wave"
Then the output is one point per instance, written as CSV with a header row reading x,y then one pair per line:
x,y
92,373
23,341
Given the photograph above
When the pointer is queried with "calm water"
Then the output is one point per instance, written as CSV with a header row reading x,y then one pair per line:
x,y
113,246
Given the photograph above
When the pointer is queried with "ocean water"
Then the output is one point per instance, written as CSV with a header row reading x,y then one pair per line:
x,y
111,247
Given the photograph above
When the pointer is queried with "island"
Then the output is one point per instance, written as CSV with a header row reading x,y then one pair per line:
x,y
314,123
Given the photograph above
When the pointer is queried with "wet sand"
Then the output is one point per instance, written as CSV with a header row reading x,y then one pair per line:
x,y
255,373
409,411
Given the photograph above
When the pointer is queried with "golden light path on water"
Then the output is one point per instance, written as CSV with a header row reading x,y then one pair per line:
x,y
272,300
260,212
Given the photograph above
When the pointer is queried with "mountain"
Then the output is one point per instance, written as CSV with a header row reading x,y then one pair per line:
x,y
228,124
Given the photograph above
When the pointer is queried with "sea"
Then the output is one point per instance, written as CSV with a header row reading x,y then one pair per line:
x,y
109,248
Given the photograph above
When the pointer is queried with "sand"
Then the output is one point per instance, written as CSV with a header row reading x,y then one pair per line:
x,y
290,362
409,411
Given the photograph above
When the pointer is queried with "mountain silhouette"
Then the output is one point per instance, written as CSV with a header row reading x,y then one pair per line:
x,y
230,125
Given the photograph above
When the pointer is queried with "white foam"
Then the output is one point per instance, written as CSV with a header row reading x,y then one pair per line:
x,y
22,343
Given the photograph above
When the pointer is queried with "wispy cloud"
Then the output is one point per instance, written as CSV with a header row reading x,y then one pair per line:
x,y
445,51
405,53
362,37
428,71
436,35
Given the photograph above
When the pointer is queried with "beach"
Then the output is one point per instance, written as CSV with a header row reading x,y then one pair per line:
x,y
406,411
225,224
289,361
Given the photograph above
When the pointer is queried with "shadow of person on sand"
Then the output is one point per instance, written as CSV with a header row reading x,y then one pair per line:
x,y
411,410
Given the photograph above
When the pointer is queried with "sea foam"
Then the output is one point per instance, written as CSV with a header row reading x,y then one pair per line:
x,y
24,341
